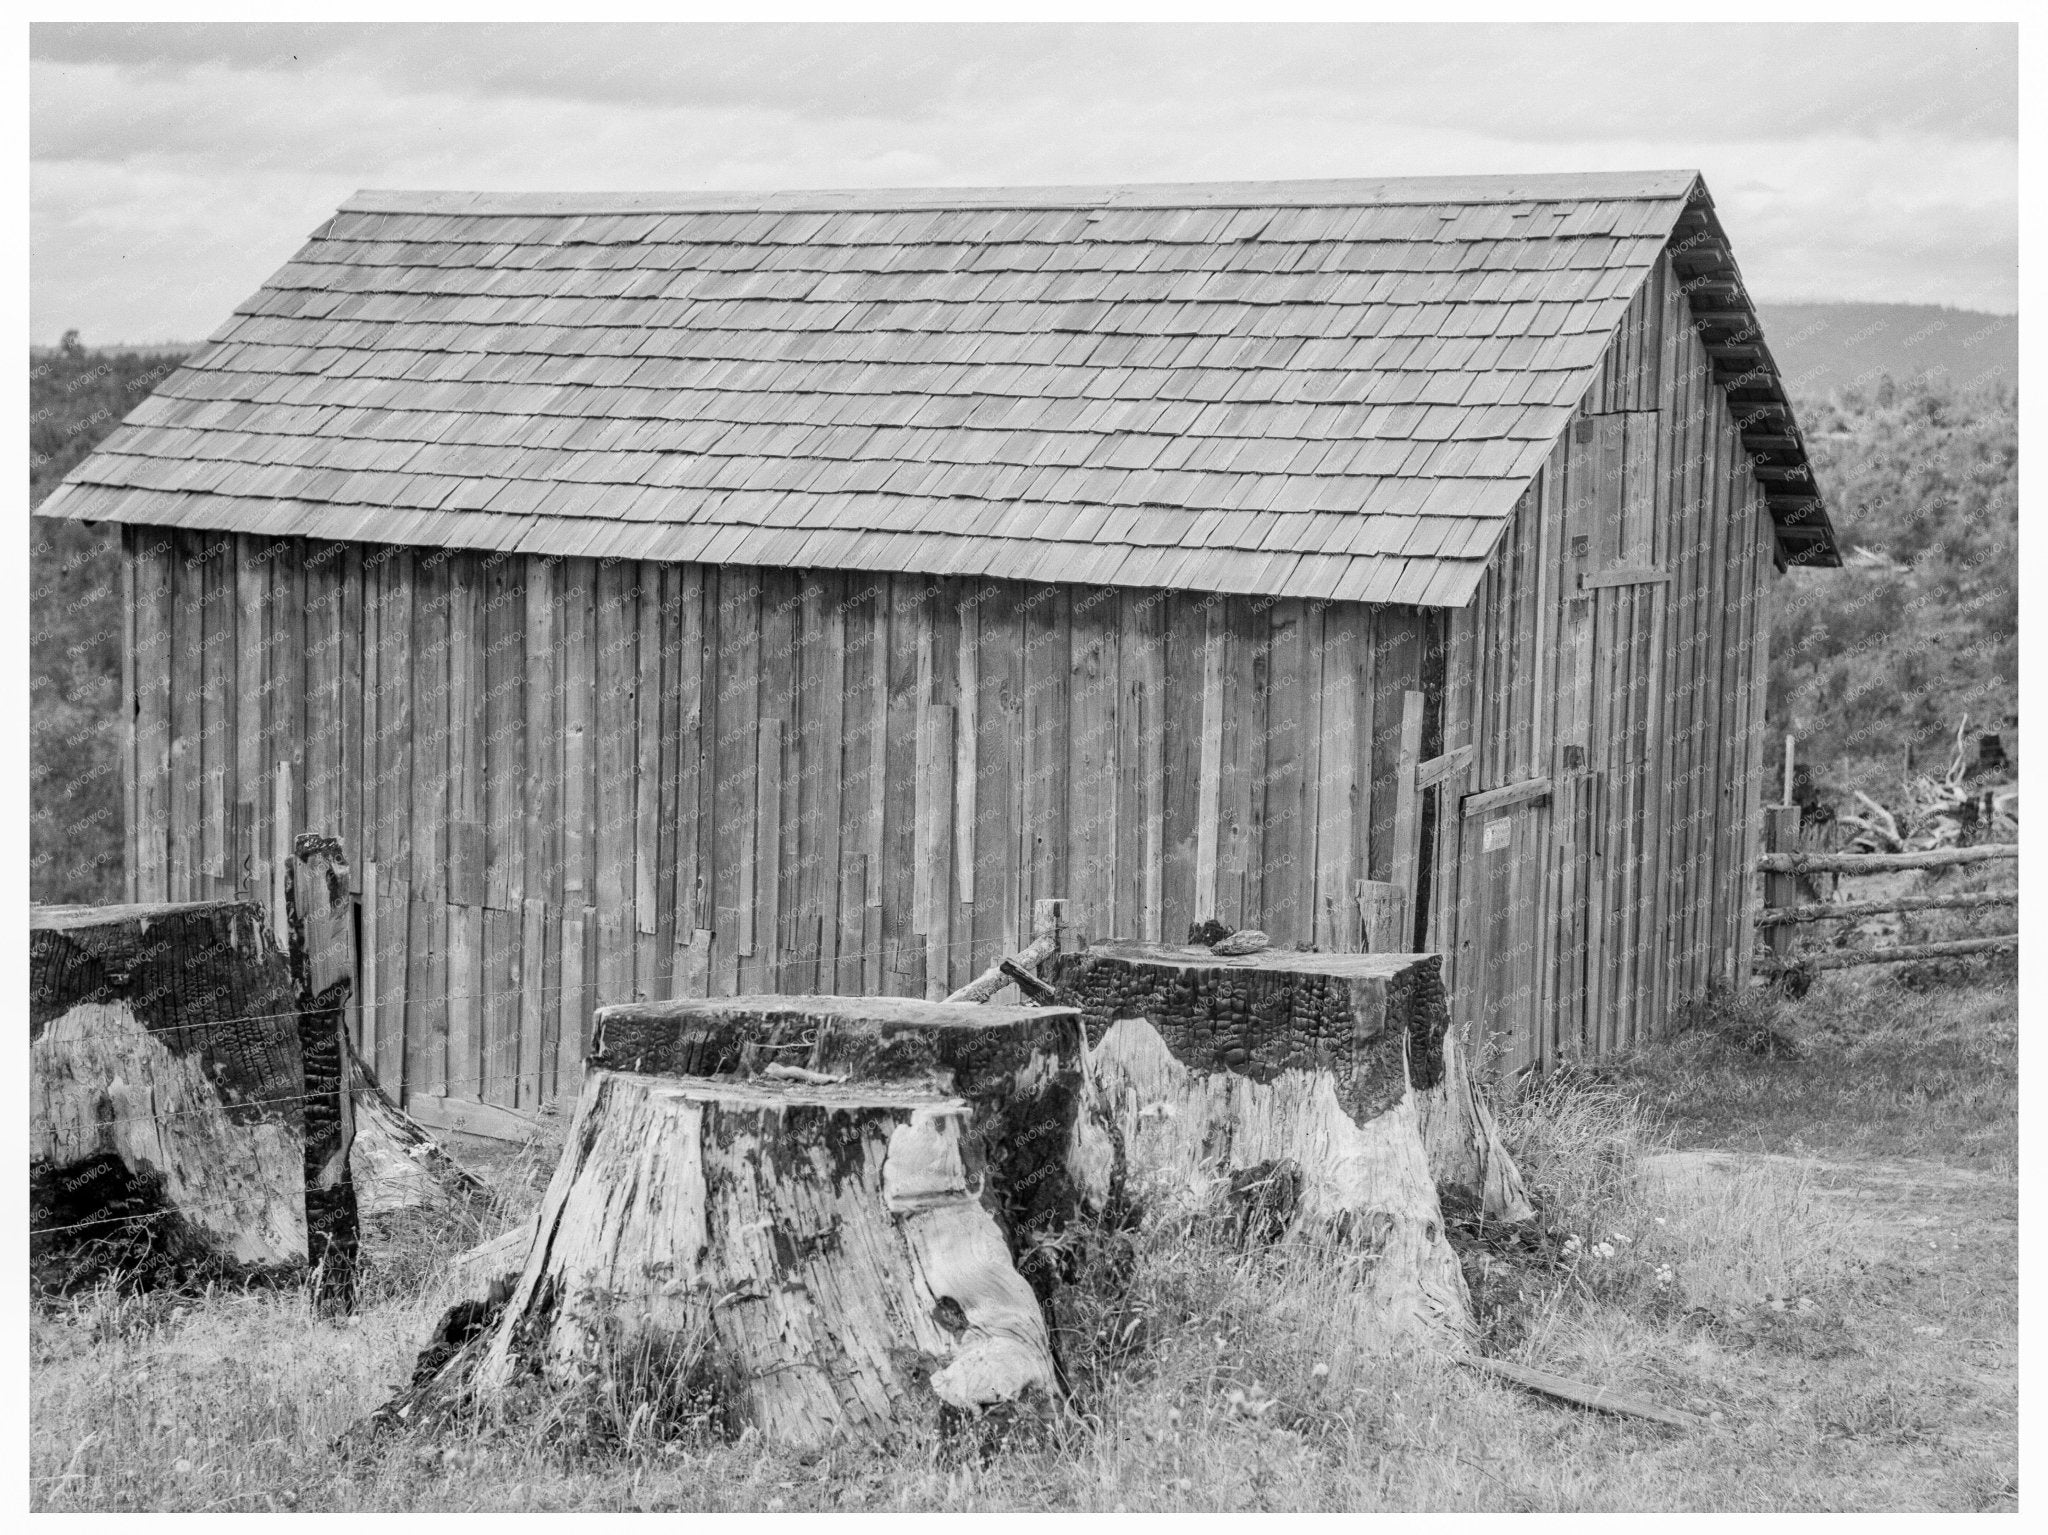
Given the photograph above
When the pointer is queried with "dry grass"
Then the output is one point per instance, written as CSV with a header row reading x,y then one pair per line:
x,y
1852,1323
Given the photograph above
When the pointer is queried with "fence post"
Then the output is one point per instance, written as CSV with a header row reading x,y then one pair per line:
x,y
1781,835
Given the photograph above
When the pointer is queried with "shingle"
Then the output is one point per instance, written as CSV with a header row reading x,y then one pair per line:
x,y
1169,383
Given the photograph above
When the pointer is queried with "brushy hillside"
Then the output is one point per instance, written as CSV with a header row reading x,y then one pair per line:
x,y
1922,477
75,397
1922,626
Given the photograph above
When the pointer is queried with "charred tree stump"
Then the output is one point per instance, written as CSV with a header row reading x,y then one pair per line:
x,y
1282,1085
810,1257
167,1123
1045,1159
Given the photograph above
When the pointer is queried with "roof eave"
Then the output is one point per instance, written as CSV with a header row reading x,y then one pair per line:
x,y
1726,319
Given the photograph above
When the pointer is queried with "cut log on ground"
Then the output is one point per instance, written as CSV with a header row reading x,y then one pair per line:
x,y
811,1259
1278,1084
1041,1157
167,1124
1463,1143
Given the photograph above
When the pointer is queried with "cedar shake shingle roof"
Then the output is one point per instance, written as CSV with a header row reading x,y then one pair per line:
x,y
1328,389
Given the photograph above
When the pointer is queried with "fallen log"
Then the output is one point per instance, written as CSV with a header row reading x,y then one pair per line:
x,y
813,1260
1282,1083
167,1097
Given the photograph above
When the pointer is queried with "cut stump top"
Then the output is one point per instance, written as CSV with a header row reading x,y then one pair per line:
x,y
1298,961
72,918
749,1093
972,1047
903,1011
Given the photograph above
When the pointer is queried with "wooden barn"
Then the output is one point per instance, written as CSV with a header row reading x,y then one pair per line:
x,y
709,593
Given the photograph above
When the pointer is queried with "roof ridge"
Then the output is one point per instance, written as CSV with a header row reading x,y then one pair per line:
x,y
1385,191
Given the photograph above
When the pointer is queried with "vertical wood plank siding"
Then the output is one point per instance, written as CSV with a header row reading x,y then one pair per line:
x,y
586,781
1640,702
817,780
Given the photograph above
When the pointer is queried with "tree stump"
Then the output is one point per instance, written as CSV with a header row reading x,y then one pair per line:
x,y
167,1125
1283,1085
1043,1158
811,1258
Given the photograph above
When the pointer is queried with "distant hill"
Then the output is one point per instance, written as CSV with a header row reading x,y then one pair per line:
x,y
1823,348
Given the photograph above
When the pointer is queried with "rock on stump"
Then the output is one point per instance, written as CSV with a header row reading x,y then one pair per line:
x,y
168,1133
812,1257
1040,1155
1285,1083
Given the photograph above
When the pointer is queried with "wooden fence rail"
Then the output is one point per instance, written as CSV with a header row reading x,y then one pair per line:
x,y
1881,863
1787,902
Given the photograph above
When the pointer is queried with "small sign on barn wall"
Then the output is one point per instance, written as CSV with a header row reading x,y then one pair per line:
x,y
1499,834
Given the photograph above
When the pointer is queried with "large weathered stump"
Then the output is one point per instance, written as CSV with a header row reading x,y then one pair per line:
x,y
813,1259
1282,1084
168,1092
1045,1157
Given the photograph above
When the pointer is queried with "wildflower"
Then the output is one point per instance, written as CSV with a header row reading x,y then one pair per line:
x,y
1320,1370
1664,1275
1602,1250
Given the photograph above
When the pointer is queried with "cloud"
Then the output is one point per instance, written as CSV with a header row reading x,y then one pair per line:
x,y
1875,163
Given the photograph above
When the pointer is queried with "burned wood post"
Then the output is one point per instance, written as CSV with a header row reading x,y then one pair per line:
x,y
167,1096
1284,1073
320,924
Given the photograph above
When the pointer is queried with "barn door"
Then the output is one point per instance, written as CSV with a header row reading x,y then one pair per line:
x,y
1503,867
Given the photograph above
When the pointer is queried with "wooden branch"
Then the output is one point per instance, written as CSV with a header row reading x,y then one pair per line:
x,y
1883,863
1579,1393
1047,918
1905,953
1829,911
1033,988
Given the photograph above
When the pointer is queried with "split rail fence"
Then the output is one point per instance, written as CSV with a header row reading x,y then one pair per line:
x,y
1792,902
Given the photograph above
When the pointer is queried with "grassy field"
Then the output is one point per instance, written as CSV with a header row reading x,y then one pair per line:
x,y
1814,1246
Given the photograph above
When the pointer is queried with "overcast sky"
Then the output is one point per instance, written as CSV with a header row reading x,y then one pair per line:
x,y
175,167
